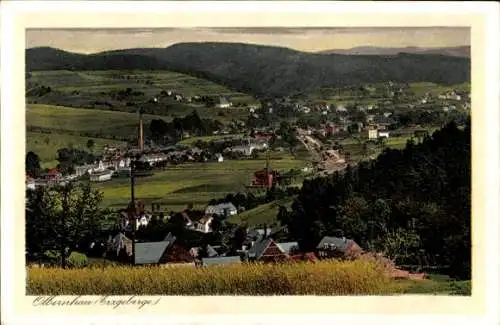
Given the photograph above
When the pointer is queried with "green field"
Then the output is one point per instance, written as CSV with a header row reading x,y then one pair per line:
x,y
436,285
192,140
195,183
149,82
45,145
107,124
262,214
421,88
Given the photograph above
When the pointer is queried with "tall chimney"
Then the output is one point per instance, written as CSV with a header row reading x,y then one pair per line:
x,y
141,133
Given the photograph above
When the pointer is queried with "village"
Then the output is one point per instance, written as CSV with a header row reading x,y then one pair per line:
x,y
363,122
356,122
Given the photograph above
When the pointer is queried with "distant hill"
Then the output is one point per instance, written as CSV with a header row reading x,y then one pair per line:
x,y
459,51
263,70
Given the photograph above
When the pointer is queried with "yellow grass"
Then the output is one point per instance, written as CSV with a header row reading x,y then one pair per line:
x,y
322,278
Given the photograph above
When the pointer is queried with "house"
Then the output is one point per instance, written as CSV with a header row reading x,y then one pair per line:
x,y
30,183
143,220
223,103
341,108
244,149
384,122
211,252
219,157
154,158
256,235
304,257
101,176
383,134
165,251
334,247
119,244
289,247
267,251
263,136
151,252
372,133
221,209
204,225
52,175
224,260
82,170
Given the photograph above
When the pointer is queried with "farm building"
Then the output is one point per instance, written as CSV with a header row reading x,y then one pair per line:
x,y
334,247
101,176
267,251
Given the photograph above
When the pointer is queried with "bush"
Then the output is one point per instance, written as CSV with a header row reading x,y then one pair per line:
x,y
322,278
76,260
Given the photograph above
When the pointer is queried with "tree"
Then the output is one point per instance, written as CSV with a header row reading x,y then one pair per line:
x,y
90,145
32,164
158,128
59,218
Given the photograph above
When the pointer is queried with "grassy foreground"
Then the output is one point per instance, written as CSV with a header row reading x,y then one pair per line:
x,y
324,278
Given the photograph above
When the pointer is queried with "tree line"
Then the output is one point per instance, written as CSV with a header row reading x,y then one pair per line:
x,y
191,123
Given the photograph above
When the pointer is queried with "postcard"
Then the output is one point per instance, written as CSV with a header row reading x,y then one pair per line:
x,y
249,162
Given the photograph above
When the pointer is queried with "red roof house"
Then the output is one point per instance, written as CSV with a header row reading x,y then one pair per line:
x,y
267,251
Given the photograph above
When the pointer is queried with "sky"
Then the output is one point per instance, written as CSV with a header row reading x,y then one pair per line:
x,y
302,39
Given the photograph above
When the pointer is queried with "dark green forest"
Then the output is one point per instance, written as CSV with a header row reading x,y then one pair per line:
x,y
263,70
412,204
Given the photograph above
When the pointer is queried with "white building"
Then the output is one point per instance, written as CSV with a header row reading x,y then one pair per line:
x,y
142,221
383,134
204,225
373,134
221,209
30,184
223,103
151,159
101,176
219,157
341,108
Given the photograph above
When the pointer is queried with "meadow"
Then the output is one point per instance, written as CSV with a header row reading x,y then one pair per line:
x,y
330,277
262,214
192,140
192,183
149,82
45,145
79,121
323,278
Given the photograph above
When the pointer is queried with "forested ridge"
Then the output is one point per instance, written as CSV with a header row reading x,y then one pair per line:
x,y
262,70
412,204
